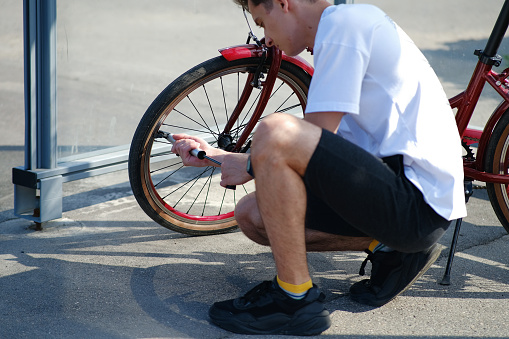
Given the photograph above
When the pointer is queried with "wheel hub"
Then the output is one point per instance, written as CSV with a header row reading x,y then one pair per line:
x,y
225,142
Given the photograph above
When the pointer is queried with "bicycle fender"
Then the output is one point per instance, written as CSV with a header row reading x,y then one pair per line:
x,y
253,51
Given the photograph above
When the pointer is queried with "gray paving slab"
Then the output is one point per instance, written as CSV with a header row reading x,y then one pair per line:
x,y
105,270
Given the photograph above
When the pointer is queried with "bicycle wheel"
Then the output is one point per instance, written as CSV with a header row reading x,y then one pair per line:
x,y
200,102
497,161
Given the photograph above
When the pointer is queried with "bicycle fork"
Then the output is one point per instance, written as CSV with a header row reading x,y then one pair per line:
x,y
253,80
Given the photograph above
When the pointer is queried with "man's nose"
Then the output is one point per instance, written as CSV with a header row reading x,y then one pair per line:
x,y
269,42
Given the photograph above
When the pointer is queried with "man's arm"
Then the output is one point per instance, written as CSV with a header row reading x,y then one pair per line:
x,y
327,120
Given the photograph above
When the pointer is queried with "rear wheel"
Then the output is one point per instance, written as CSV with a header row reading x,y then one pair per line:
x,y
497,161
200,102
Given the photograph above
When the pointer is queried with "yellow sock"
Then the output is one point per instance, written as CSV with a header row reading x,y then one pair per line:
x,y
372,246
295,291
376,246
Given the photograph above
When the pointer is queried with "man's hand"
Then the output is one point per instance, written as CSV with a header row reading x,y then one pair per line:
x,y
186,143
233,169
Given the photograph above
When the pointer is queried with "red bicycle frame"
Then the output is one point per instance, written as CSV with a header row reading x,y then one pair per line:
x,y
465,102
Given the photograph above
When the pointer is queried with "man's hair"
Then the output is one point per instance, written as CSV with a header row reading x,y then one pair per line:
x,y
244,3
267,3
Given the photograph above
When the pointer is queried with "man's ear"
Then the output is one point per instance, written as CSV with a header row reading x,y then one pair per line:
x,y
284,5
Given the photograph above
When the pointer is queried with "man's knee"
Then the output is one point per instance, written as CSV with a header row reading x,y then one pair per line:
x,y
275,123
274,133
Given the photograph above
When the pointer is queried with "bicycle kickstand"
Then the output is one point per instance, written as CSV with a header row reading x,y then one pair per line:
x,y
446,280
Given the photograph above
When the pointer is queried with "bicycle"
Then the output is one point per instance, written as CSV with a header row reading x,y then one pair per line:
x,y
222,99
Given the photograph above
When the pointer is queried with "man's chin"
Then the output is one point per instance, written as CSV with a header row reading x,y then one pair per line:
x,y
292,53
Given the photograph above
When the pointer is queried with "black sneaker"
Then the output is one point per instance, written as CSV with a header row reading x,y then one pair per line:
x,y
392,273
267,309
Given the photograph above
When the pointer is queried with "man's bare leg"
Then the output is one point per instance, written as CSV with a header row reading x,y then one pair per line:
x,y
280,159
251,224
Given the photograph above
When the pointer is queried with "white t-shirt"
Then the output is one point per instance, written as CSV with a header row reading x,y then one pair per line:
x,y
366,66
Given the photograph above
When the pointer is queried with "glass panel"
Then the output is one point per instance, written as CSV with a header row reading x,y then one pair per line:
x,y
12,132
114,57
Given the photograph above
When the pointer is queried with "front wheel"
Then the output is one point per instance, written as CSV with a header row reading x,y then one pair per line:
x,y
497,162
200,102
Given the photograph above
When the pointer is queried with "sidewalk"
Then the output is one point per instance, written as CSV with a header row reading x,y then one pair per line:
x,y
106,271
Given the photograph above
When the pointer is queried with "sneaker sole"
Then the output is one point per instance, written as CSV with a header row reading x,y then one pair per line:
x,y
367,298
311,320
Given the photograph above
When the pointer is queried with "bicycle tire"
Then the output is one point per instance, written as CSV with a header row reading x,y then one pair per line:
x,y
191,104
497,161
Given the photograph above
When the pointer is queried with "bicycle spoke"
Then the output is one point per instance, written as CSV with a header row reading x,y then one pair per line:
x,y
159,155
198,195
222,202
206,127
284,102
196,109
234,198
288,108
164,168
183,195
238,93
211,109
238,87
224,99
162,153
247,114
172,173
190,129
184,184
239,128
164,141
207,195
277,89
244,125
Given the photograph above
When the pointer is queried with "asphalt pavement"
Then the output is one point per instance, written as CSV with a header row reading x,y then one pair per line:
x,y
105,270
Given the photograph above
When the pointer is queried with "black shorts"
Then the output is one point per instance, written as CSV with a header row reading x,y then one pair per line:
x,y
353,193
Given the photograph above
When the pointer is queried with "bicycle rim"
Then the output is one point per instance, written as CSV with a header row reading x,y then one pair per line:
x,y
190,200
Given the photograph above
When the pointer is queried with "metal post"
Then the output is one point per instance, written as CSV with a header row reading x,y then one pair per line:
x,y
42,198
40,84
48,86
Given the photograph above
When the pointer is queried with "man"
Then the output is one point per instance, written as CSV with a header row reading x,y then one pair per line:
x,y
359,172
